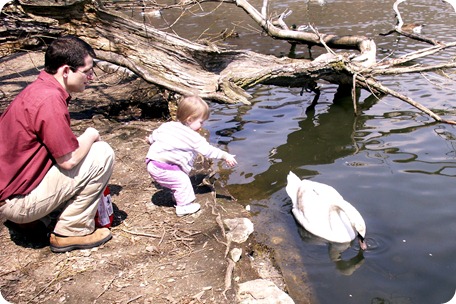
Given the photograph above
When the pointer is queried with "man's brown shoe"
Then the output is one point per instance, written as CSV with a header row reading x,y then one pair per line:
x,y
67,243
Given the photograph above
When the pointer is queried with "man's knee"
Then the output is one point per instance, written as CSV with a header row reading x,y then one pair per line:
x,y
103,152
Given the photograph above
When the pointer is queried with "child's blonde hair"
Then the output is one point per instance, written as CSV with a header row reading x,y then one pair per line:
x,y
191,108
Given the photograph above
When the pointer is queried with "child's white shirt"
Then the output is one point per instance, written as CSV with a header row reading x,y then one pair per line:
x,y
176,143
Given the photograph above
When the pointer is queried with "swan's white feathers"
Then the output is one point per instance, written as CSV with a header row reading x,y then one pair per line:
x,y
321,210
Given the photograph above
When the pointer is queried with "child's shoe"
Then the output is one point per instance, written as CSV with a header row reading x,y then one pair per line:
x,y
187,209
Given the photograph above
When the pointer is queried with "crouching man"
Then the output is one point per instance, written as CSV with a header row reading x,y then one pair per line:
x,y
43,166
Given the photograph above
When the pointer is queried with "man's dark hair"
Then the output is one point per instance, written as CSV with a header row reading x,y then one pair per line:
x,y
68,50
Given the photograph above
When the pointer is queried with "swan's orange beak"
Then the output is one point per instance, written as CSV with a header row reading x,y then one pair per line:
x,y
362,243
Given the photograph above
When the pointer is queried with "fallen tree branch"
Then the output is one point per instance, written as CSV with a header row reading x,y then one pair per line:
x,y
412,35
415,55
363,44
186,67
371,83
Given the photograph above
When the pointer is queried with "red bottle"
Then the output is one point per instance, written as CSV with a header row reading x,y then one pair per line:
x,y
105,213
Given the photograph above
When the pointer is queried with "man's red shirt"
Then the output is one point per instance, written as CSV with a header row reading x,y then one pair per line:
x,y
34,131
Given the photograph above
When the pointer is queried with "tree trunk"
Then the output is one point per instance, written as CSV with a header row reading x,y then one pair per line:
x,y
164,59
186,67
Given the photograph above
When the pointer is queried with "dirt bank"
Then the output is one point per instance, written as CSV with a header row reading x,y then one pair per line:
x,y
154,256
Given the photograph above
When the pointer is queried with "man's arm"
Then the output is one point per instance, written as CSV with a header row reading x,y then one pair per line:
x,y
86,139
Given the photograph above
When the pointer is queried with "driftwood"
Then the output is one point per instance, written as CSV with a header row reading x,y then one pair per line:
x,y
186,67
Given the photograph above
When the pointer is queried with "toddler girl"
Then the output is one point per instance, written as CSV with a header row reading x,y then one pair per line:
x,y
174,147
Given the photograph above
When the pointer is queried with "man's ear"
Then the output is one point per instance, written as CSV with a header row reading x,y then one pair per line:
x,y
64,70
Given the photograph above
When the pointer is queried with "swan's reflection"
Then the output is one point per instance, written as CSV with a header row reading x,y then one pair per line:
x,y
335,250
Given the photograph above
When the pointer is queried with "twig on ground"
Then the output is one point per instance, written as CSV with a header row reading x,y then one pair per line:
x,y
133,299
228,274
50,283
162,237
218,219
140,233
106,288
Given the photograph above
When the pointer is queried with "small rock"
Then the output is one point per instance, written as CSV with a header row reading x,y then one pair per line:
x,y
236,254
151,248
261,291
240,229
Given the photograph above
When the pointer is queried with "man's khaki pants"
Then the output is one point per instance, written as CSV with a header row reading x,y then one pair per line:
x,y
76,191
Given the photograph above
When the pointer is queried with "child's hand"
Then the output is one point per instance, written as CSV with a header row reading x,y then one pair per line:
x,y
230,161
149,139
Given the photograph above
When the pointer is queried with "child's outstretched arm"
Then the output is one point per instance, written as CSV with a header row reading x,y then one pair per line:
x,y
230,160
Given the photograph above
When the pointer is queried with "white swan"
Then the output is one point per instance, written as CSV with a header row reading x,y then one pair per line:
x,y
321,210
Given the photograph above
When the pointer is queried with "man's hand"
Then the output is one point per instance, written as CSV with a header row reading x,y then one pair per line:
x,y
86,139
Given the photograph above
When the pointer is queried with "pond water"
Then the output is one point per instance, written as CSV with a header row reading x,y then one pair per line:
x,y
393,163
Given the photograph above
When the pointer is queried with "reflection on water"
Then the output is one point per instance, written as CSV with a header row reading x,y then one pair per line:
x,y
394,164
349,266
345,262
317,139
395,167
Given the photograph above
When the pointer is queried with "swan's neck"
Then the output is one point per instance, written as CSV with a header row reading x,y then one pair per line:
x,y
400,23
